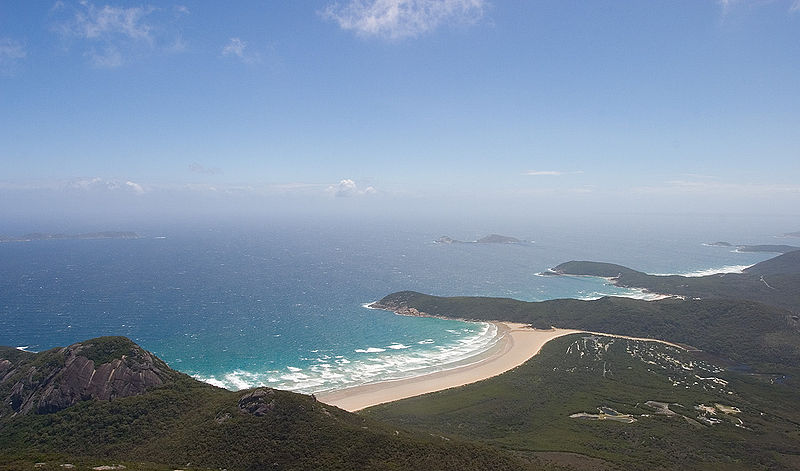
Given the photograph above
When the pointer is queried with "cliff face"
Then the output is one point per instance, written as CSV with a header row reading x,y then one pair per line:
x,y
102,368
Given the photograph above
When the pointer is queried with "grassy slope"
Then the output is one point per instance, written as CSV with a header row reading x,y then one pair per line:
x,y
528,409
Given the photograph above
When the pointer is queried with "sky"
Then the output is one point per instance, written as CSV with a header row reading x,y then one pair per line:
x,y
417,106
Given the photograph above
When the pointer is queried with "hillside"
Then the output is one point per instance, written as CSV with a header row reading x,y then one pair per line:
x,y
775,281
740,331
55,409
605,403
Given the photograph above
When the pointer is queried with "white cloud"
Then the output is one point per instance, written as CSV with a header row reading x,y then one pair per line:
x,y
107,21
397,19
10,53
111,34
97,184
728,5
238,48
346,188
137,188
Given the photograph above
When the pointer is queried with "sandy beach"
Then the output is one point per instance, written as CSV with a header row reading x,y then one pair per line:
x,y
516,345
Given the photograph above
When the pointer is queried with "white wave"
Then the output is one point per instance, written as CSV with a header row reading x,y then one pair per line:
x,y
210,380
384,364
370,350
633,293
397,346
23,349
709,271
369,305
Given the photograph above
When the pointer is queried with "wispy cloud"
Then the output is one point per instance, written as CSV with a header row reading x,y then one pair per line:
x,y
11,52
537,173
203,170
728,5
111,34
236,47
397,19
97,184
347,188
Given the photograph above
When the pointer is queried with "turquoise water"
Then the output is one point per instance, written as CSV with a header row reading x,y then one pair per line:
x,y
284,305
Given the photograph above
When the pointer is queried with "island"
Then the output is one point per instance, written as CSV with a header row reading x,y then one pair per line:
x,y
792,234
489,239
87,236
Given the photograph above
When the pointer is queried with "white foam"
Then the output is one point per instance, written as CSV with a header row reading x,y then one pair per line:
x,y
396,361
23,349
397,346
709,271
210,380
241,380
370,350
369,305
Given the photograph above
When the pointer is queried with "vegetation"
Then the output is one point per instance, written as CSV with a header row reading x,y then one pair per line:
x,y
741,331
186,421
528,409
773,282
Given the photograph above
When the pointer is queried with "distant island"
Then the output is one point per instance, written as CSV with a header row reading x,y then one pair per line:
x,y
490,239
792,234
770,248
87,236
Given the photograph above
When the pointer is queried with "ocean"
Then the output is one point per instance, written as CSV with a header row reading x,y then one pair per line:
x,y
282,304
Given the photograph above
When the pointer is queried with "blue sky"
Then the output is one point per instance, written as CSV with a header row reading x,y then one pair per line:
x,y
559,105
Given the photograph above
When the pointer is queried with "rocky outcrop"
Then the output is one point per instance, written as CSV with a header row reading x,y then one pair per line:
x,y
259,402
56,379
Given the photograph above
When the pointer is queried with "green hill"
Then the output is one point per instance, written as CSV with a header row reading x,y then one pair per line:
x,y
740,331
775,281
145,412
671,394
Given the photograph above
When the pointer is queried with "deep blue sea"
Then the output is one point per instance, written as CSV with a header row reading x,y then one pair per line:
x,y
283,304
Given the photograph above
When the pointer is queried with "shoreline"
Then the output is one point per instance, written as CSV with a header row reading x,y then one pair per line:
x,y
517,343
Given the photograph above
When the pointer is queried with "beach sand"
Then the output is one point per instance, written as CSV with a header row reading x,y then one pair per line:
x,y
516,345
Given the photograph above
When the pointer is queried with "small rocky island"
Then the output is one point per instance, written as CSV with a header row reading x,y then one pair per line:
x,y
490,239
87,236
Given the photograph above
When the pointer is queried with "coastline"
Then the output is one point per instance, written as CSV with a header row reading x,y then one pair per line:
x,y
517,343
